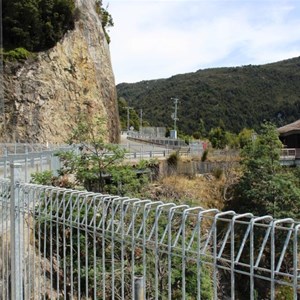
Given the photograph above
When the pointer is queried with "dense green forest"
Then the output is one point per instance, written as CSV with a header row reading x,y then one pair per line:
x,y
238,97
37,25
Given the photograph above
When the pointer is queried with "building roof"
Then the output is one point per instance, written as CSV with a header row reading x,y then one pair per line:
x,y
290,128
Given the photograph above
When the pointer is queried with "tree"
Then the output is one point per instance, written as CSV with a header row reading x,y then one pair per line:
x,y
217,137
231,140
36,24
245,137
91,163
265,186
202,129
125,179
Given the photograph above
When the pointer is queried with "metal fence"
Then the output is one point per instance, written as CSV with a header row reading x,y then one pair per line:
x,y
66,244
38,158
18,148
32,157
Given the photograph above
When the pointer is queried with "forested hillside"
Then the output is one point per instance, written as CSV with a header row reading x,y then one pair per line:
x,y
239,97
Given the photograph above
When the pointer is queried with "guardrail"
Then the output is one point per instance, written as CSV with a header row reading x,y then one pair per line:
x,y
288,154
147,154
31,161
18,148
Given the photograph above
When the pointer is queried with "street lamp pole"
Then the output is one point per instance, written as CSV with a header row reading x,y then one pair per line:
x,y
128,117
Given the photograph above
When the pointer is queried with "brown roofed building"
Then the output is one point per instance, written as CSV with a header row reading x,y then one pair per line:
x,y
290,135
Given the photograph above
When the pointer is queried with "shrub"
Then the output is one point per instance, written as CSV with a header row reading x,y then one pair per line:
x,y
16,54
44,178
173,159
204,155
217,173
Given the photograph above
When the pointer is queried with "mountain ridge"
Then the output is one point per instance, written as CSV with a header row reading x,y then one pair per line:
x,y
239,97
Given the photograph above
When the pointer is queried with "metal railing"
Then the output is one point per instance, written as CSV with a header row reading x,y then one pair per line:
x,y
38,158
288,153
143,155
18,148
66,244
33,158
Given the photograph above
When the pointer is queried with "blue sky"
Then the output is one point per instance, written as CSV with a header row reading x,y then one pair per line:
x,y
154,39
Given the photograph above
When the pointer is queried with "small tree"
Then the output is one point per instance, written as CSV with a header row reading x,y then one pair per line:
x,y
217,137
265,186
245,137
91,162
129,181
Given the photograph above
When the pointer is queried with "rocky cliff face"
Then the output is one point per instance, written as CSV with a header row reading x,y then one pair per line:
x,y
44,97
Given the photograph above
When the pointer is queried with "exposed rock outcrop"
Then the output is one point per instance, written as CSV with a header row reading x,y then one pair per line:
x,y
44,97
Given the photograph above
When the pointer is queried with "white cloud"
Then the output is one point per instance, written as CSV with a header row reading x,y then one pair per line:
x,y
156,39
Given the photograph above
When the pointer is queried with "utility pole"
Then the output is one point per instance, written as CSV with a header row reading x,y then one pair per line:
x,y
175,112
128,117
174,116
141,120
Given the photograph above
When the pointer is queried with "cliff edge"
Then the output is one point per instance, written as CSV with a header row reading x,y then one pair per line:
x,y
45,96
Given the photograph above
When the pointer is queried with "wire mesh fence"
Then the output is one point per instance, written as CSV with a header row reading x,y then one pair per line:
x,y
65,244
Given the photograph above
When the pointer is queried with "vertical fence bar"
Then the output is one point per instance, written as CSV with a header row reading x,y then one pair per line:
x,y
5,162
232,250
26,163
295,262
16,241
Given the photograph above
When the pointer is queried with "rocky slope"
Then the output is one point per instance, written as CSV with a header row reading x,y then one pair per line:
x,y
44,97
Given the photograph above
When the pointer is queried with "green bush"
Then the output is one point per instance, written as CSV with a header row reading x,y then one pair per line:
x,y
106,18
44,178
217,173
173,159
16,54
204,155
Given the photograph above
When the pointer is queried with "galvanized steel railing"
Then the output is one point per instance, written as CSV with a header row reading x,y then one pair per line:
x,y
66,244
33,158
38,158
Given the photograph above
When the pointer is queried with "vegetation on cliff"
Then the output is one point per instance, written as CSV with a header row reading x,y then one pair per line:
x,y
37,25
106,18
240,97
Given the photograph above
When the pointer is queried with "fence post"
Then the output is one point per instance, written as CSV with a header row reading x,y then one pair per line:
x,y
54,164
15,234
26,163
5,161
139,288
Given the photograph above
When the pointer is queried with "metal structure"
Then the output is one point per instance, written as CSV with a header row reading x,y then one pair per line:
x,y
66,244
128,117
174,115
38,158
32,157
